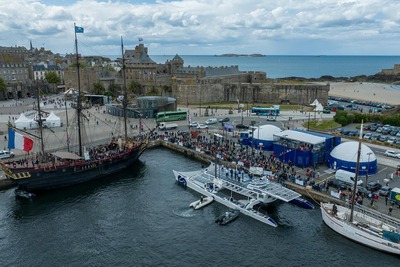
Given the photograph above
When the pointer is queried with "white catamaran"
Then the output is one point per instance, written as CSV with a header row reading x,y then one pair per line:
x,y
240,192
361,224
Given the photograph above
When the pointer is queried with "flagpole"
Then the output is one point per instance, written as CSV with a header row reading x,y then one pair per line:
x,y
78,108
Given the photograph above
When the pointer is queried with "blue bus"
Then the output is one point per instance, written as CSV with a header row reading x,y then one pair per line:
x,y
272,111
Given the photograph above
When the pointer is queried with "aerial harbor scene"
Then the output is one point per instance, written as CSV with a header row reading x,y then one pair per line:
x,y
192,133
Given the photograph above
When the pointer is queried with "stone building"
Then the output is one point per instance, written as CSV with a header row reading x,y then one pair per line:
x,y
14,71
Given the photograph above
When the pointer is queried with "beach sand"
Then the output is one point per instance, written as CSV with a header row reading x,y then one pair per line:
x,y
375,92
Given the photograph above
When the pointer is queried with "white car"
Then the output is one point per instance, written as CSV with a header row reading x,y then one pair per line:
x,y
202,126
4,154
393,154
193,124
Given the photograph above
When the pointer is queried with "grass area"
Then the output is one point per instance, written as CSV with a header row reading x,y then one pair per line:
x,y
325,125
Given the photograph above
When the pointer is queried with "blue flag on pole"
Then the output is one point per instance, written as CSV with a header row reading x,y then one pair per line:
x,y
78,29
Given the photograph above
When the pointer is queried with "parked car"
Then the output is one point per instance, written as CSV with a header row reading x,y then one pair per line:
x,y
242,126
393,154
224,119
337,184
4,154
375,136
345,132
211,121
383,138
364,191
367,136
391,140
374,186
385,191
193,124
354,133
202,126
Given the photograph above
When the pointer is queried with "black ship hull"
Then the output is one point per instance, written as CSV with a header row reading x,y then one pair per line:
x,y
68,175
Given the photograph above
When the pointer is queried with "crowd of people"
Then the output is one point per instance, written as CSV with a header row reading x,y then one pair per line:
x,y
232,153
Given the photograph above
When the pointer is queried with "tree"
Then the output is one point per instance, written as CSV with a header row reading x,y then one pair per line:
x,y
52,77
134,88
3,87
98,88
153,91
115,89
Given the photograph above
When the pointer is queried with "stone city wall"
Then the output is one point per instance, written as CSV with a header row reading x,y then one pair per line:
x,y
221,90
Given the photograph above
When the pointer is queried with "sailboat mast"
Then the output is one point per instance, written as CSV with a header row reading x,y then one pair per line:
x,y
79,104
353,196
40,125
66,116
125,100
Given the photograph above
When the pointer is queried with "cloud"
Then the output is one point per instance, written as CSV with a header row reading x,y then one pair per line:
x,y
205,26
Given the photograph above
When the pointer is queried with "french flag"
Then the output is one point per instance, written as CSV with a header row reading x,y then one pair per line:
x,y
19,141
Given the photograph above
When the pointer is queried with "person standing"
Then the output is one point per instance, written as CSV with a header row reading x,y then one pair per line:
x,y
390,210
386,200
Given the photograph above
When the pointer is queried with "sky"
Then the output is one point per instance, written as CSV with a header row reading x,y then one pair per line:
x,y
205,27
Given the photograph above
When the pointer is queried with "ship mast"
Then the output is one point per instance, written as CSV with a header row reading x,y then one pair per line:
x,y
40,121
125,100
353,196
79,104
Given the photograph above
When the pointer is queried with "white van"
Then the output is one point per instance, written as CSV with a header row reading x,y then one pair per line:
x,y
347,177
211,121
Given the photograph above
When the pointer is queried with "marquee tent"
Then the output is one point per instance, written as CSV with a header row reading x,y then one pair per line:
x,y
344,157
24,123
53,120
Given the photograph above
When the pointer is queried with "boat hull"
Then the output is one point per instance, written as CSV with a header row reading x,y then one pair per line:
x,y
352,232
227,218
185,179
198,204
69,175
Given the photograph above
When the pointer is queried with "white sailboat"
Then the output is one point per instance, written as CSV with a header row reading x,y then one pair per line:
x,y
361,224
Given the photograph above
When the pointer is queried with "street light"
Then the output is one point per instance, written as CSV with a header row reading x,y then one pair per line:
x,y
366,176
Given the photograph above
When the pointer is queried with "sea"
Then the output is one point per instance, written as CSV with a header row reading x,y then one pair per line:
x,y
141,217
293,66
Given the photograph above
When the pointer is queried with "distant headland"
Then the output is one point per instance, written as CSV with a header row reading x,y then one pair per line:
x,y
240,55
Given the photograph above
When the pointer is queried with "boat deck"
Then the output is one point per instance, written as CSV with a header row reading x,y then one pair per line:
x,y
252,187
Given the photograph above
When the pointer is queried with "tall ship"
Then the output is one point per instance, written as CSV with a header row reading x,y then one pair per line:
x,y
66,168
246,192
361,224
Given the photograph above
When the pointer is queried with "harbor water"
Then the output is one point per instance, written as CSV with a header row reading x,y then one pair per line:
x,y
141,217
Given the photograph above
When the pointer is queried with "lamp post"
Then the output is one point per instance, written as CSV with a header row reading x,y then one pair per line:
x,y
366,176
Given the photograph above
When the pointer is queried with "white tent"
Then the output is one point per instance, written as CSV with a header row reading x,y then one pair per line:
x,y
53,120
319,107
70,91
315,103
24,123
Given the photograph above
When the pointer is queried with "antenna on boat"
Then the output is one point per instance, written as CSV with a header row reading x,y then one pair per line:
x,y
79,106
353,196
125,100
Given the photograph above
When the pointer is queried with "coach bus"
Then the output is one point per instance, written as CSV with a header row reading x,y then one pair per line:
x,y
171,115
272,111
